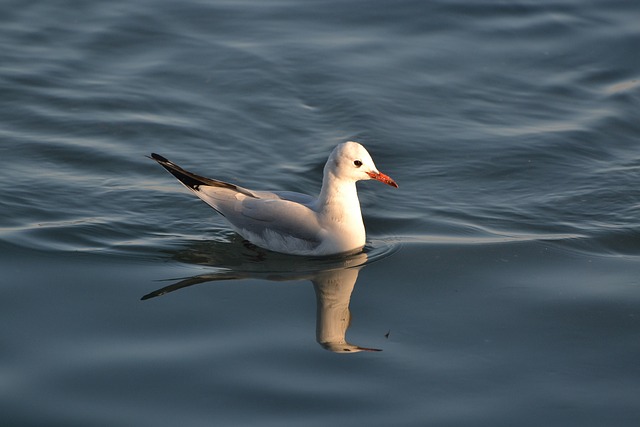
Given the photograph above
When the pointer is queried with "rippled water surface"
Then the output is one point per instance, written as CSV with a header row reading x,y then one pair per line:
x,y
500,280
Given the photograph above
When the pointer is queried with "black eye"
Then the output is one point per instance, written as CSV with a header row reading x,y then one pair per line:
x,y
357,163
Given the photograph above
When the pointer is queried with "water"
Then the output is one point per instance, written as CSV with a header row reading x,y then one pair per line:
x,y
500,280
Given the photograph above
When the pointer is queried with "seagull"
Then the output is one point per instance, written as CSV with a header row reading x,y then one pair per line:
x,y
289,222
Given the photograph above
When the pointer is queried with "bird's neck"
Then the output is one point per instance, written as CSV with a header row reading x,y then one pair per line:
x,y
339,199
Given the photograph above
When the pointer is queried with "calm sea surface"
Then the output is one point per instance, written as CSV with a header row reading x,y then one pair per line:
x,y
501,280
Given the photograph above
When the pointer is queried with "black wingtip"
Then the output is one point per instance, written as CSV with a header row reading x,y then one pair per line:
x,y
190,180
153,295
193,181
158,158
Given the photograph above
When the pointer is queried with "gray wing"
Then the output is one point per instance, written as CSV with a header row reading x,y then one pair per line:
x,y
292,196
262,217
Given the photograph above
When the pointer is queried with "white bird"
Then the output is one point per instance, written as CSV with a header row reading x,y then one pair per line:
x,y
290,222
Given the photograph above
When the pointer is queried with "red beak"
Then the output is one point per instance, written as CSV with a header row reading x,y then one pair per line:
x,y
383,178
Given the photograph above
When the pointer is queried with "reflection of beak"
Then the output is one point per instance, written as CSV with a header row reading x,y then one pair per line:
x,y
379,176
346,347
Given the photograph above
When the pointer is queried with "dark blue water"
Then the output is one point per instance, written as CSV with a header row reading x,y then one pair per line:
x,y
501,280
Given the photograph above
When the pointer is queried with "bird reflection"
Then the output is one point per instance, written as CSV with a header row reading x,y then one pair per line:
x,y
333,280
333,293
